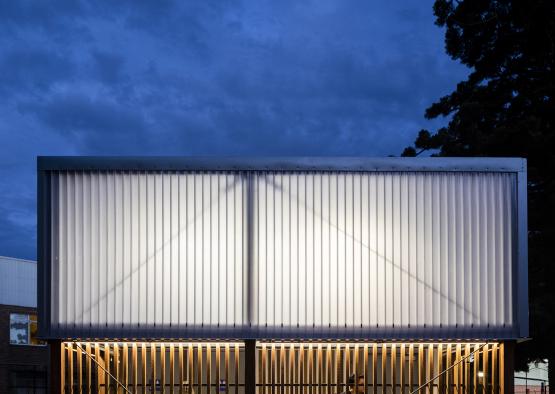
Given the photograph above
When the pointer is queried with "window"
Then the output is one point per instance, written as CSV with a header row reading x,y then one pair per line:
x,y
23,329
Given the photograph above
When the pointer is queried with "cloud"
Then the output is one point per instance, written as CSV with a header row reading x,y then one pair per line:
x,y
108,67
190,78
31,70
17,218
80,119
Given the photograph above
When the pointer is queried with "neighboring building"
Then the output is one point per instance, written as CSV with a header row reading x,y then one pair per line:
x,y
238,275
23,357
535,381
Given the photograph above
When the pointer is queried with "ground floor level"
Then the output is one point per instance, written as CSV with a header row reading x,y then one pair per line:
x,y
282,367
23,358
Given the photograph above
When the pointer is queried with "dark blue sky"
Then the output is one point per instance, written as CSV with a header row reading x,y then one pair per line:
x,y
321,77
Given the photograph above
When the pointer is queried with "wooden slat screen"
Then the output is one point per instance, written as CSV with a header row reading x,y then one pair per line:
x,y
282,368
381,367
178,368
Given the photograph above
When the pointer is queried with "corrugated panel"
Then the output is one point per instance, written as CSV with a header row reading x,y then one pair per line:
x,y
18,282
283,254
140,251
394,252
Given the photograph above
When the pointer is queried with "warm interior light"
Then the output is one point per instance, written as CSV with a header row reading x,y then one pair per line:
x,y
480,374
159,343
352,343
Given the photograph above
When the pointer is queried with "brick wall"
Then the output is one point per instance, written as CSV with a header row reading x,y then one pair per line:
x,y
20,357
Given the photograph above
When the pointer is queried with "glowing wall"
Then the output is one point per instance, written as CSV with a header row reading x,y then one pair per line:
x,y
384,254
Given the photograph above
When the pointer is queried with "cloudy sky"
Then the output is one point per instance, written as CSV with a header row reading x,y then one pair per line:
x,y
239,77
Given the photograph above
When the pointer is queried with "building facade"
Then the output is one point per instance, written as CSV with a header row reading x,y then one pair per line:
x,y
534,381
295,274
23,357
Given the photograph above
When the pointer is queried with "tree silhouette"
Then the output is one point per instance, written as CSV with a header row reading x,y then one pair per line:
x,y
506,108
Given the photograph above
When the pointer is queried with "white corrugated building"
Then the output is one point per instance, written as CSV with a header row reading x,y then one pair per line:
x,y
18,282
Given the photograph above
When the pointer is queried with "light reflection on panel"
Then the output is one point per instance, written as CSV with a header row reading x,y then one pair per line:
x,y
384,250
138,249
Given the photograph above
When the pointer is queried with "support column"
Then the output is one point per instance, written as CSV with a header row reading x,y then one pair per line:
x,y
507,364
250,366
55,367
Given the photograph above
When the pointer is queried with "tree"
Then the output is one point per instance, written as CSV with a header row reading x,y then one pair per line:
x,y
506,108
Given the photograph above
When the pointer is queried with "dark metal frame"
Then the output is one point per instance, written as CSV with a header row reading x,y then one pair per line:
x,y
229,163
47,165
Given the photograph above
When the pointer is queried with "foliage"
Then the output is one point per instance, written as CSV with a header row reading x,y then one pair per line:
x,y
506,108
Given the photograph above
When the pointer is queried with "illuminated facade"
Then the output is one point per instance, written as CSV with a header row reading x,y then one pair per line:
x,y
224,274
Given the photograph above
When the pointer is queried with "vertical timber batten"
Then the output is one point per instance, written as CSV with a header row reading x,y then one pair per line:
x,y
111,368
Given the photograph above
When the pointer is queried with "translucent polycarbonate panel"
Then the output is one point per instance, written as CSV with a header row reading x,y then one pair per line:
x,y
394,252
283,254
144,250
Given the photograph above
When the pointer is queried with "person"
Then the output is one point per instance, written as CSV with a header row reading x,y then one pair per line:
x,y
359,385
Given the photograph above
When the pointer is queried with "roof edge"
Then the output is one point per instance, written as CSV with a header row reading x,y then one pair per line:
x,y
245,163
